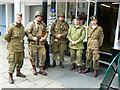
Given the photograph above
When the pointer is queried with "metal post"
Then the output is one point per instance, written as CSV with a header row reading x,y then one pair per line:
x,y
53,4
116,46
88,13
66,11
76,7
56,8
44,11
95,7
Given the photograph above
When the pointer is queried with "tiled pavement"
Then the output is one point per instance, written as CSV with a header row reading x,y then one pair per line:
x,y
56,78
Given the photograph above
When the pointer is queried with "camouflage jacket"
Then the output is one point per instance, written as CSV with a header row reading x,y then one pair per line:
x,y
76,34
14,36
59,27
95,37
36,29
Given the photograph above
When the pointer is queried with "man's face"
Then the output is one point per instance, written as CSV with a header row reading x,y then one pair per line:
x,y
94,22
61,18
76,21
38,18
18,19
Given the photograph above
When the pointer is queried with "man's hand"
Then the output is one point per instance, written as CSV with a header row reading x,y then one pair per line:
x,y
35,38
58,36
42,39
74,42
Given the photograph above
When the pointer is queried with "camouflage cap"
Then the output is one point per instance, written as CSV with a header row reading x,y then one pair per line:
x,y
38,13
93,17
19,14
61,15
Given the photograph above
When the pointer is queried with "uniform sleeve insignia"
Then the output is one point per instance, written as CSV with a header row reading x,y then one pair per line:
x,y
6,32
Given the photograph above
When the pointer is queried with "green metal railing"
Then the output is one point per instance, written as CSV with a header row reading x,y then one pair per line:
x,y
112,70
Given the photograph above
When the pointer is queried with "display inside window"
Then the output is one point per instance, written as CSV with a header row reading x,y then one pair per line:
x,y
82,8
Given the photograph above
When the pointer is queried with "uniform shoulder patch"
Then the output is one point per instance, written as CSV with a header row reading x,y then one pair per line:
x,y
6,32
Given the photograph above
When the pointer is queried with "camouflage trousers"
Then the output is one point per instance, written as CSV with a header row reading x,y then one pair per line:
x,y
58,48
76,55
15,59
41,55
92,54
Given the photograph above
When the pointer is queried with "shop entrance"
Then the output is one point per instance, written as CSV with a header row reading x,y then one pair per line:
x,y
107,18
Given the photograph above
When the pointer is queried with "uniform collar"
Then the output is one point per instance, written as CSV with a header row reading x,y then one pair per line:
x,y
77,27
94,28
16,24
36,22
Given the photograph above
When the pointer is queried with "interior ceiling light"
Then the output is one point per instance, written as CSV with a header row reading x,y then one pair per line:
x,y
115,3
105,5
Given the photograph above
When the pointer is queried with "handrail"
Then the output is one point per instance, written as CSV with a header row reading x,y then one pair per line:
x,y
118,66
118,55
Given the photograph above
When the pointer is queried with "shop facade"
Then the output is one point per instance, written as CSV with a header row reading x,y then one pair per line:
x,y
108,16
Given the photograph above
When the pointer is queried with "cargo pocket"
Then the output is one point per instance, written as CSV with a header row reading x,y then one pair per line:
x,y
11,56
32,51
22,55
96,55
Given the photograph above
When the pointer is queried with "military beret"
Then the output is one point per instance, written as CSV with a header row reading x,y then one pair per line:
x,y
19,14
93,17
77,18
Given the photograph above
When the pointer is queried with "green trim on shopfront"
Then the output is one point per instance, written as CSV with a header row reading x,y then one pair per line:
x,y
106,82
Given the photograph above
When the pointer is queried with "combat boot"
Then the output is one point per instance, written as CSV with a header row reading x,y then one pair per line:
x,y
95,73
34,70
86,70
11,81
41,71
19,74
61,65
79,70
73,67
54,63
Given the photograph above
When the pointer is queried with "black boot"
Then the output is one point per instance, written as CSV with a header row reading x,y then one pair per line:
x,y
73,67
19,74
41,71
11,81
54,63
61,65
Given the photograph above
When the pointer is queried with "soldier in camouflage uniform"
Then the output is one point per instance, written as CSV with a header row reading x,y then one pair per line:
x,y
59,31
14,36
95,38
76,35
37,33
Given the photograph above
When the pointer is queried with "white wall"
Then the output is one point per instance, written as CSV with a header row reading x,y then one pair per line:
x,y
33,9
0,17
25,14
8,14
